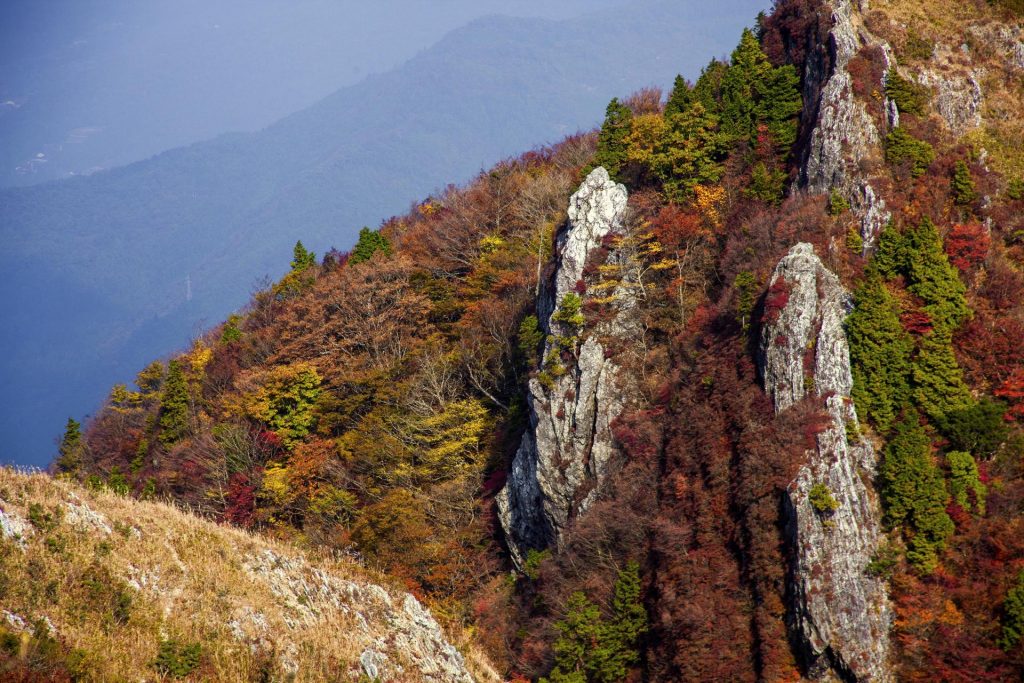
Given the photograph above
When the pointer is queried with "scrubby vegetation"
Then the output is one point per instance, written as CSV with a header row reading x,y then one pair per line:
x,y
372,402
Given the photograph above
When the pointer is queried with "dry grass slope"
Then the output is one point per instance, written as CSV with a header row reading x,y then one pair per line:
x,y
114,578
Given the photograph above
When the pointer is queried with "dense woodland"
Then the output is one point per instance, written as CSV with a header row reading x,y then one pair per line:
x,y
371,400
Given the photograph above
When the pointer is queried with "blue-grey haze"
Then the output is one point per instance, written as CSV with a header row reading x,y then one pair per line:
x,y
99,269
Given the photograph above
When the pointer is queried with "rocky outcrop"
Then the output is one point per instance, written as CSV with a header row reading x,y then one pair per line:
x,y
958,97
839,612
844,134
398,632
568,447
267,610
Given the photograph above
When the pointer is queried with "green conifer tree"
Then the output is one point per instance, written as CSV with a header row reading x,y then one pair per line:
x,y
963,185
749,70
369,243
612,147
910,98
591,649
933,278
174,405
578,633
939,387
879,353
1013,616
70,450
680,97
965,482
914,494
619,651
891,254
903,148
779,105
708,88
302,259
691,152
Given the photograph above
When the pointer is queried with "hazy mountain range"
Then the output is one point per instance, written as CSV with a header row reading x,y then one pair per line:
x,y
105,271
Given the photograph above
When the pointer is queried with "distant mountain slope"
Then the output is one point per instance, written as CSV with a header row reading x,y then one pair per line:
x,y
93,84
148,589
128,246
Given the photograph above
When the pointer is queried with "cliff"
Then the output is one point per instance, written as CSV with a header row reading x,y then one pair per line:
x,y
840,612
568,448
844,135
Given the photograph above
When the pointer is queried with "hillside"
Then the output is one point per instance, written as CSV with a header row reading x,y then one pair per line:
x,y
731,390
98,587
136,260
94,84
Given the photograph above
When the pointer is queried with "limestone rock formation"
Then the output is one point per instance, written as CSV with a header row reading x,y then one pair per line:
x,y
844,134
840,612
568,447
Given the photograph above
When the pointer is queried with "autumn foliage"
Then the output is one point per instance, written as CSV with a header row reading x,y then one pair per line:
x,y
371,403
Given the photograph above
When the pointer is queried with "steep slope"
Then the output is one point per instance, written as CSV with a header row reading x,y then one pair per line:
x,y
168,244
569,450
841,613
113,581
844,136
806,461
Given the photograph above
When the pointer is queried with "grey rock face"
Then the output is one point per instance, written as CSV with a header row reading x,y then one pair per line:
x,y
844,133
1005,39
958,97
568,448
839,611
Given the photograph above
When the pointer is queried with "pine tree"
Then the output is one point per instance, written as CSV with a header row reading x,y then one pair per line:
x,y
891,254
680,97
70,449
174,405
963,185
369,243
612,147
749,70
914,494
578,633
879,353
939,387
965,482
933,278
301,258
691,152
779,105
1013,619
903,148
708,88
592,649
910,98
619,651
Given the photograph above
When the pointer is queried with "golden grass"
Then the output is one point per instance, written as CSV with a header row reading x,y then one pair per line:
x,y
969,37
187,579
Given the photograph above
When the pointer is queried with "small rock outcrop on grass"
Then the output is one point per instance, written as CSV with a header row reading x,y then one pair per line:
x,y
113,580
